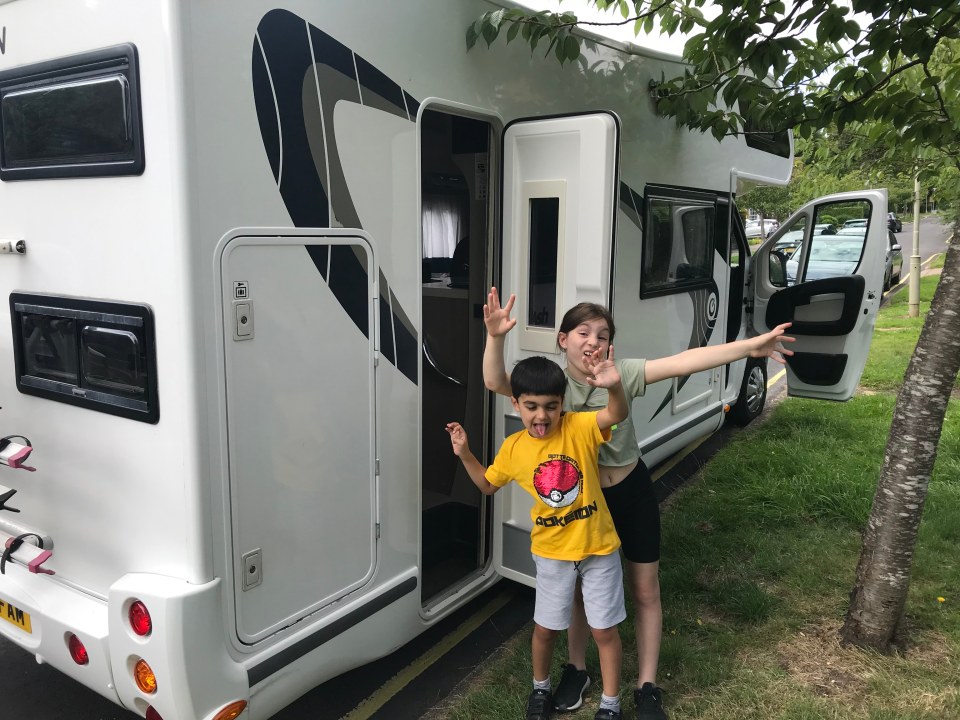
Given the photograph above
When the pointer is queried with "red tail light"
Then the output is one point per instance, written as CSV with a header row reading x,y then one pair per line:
x,y
77,651
140,619
152,714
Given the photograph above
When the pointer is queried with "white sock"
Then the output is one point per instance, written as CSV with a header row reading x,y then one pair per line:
x,y
610,703
542,684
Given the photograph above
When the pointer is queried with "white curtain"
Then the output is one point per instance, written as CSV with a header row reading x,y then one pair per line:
x,y
441,225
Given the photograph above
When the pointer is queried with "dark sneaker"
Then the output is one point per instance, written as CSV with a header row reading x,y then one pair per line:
x,y
573,684
649,699
539,705
604,714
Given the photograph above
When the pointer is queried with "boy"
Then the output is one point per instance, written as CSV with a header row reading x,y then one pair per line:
x,y
555,460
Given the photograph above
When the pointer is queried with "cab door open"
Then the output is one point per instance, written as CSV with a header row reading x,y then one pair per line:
x,y
823,271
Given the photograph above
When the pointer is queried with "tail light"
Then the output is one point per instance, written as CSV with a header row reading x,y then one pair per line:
x,y
144,677
231,711
77,651
140,619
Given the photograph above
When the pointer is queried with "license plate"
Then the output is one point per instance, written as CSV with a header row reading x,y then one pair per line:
x,y
15,616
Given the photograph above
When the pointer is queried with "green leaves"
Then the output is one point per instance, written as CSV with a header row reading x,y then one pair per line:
x,y
878,73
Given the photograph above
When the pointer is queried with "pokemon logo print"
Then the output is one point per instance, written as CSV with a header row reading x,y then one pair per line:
x,y
558,480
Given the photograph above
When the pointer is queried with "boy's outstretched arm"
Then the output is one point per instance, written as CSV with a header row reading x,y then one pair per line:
x,y
768,345
461,448
606,375
499,323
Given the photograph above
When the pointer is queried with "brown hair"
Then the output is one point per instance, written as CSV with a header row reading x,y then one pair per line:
x,y
582,312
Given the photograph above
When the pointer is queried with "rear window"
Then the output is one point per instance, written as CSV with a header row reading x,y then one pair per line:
x,y
73,117
96,354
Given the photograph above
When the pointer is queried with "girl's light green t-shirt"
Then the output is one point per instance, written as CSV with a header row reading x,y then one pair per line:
x,y
622,449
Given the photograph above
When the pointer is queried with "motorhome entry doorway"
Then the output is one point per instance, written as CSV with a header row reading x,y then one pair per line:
x,y
455,221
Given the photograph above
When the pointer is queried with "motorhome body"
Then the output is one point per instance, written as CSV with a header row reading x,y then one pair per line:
x,y
255,242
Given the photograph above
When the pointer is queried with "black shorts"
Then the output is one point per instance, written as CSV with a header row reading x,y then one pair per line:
x,y
636,515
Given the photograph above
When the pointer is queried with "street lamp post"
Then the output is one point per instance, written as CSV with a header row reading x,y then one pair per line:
x,y
914,304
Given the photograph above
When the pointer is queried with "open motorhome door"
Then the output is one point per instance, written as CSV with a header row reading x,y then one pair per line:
x,y
823,271
559,204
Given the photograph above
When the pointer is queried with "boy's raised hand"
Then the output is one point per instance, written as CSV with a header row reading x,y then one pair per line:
x,y
496,318
604,373
770,345
458,439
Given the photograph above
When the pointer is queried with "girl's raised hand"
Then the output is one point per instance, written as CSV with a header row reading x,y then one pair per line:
x,y
771,344
603,373
496,318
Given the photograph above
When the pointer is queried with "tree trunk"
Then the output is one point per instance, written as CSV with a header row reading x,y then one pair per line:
x,y
879,596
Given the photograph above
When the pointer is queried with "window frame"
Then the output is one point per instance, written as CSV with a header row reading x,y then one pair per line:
x,y
118,60
541,338
679,195
88,313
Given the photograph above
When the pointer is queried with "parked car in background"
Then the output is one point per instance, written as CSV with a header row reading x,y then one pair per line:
x,y
894,266
857,222
893,222
790,241
894,261
753,228
838,257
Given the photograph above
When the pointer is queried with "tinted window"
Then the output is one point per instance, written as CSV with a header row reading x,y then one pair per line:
x,y
544,241
67,123
678,244
78,116
98,355
49,347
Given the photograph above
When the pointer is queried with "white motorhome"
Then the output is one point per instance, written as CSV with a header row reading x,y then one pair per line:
x,y
245,249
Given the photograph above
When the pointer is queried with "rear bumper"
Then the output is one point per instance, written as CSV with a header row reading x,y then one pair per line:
x,y
55,612
186,649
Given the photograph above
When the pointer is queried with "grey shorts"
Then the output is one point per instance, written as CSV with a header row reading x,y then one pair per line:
x,y
601,578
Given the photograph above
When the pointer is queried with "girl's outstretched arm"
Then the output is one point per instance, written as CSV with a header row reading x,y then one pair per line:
x,y
499,323
769,345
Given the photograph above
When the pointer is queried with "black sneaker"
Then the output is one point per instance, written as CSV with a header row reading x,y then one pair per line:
x,y
573,684
605,714
539,705
649,700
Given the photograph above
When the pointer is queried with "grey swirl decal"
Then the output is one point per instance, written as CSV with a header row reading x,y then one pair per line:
x,y
299,75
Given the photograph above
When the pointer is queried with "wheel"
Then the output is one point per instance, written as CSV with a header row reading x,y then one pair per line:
x,y
886,282
753,393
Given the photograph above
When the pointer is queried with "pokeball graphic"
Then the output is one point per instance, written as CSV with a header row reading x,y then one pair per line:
x,y
557,482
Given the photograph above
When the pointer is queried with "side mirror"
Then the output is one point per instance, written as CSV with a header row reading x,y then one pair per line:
x,y
895,247
778,268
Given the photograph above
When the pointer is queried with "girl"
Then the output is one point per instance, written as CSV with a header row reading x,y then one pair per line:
x,y
586,331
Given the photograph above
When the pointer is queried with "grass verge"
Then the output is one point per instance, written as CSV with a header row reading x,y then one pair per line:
x,y
758,560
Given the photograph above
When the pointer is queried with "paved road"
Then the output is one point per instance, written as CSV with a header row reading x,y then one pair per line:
x,y
933,238
397,687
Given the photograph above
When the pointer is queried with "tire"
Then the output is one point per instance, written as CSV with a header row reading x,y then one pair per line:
x,y
753,393
886,282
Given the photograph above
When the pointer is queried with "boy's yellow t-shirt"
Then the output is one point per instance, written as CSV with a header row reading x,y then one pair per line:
x,y
570,516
